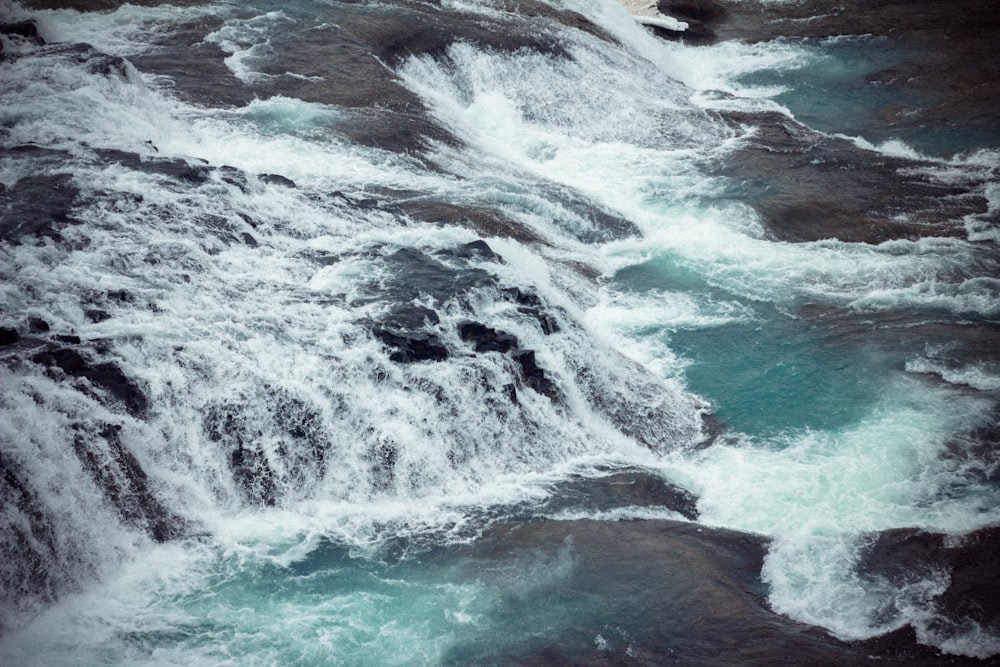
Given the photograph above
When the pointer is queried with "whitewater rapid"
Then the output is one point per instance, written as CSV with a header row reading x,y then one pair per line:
x,y
355,346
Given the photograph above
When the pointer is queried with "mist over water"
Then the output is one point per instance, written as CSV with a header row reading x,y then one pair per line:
x,y
308,351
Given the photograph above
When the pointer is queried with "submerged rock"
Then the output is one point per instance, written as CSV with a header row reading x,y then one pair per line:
x,y
643,593
948,78
9,336
29,547
273,441
809,187
967,562
37,206
619,489
106,376
411,346
24,29
126,485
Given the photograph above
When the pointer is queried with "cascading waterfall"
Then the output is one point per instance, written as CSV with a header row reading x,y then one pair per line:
x,y
303,356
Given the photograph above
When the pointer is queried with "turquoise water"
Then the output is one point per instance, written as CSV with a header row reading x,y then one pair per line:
x,y
767,372
849,86
778,374
253,313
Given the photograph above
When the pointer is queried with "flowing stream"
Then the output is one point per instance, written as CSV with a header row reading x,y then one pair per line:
x,y
338,290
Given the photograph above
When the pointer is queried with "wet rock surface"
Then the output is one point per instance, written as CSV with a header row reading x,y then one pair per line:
x,y
621,489
31,544
349,64
37,206
808,187
967,562
125,484
651,593
106,376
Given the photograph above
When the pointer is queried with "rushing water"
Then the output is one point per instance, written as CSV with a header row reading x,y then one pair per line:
x,y
321,391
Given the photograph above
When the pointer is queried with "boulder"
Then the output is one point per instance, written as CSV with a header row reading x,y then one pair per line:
x,y
126,485
486,339
411,346
277,179
699,10
9,336
968,561
27,30
107,376
533,375
37,206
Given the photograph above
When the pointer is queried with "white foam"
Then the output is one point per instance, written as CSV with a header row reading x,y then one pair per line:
x,y
264,330
127,30
890,147
815,493
247,42
981,376
665,22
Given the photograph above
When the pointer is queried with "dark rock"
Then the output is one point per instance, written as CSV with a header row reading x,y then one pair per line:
x,y
176,169
96,315
351,64
123,481
626,488
107,376
68,338
947,76
533,376
486,339
475,250
9,336
411,346
37,206
655,592
699,10
418,275
234,177
195,66
546,322
110,377
697,33
699,15
120,295
277,179
25,29
406,316
70,361
486,222
809,187
37,325
109,66
104,5
363,203
969,561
